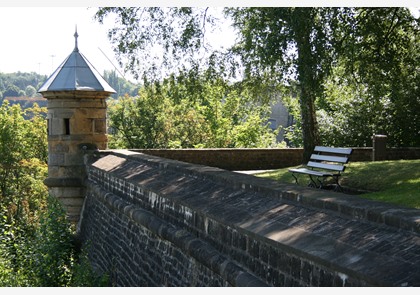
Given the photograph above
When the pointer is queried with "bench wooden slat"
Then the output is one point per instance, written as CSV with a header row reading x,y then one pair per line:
x,y
343,160
333,167
311,172
344,151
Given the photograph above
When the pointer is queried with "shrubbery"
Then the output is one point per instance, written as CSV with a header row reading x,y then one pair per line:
x,y
46,258
36,241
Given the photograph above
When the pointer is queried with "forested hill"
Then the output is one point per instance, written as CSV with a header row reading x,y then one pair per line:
x,y
19,84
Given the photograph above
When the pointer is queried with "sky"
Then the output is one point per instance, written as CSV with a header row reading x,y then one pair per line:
x,y
38,38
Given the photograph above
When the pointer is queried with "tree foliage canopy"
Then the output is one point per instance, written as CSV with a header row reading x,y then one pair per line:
x,y
23,159
23,167
189,111
317,53
36,240
14,84
120,85
149,40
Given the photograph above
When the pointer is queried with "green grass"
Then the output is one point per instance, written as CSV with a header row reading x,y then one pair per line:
x,y
396,182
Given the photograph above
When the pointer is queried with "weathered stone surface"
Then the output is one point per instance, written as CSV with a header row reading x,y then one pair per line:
x,y
56,159
58,147
74,103
236,230
64,184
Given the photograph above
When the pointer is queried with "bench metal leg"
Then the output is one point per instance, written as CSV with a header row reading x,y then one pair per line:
x,y
296,180
318,183
321,183
313,183
338,187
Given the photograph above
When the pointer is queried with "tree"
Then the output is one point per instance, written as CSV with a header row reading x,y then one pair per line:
x,y
276,45
380,53
287,44
36,240
189,111
11,91
120,85
149,40
21,81
23,167
23,151
372,87
377,48
268,39
30,91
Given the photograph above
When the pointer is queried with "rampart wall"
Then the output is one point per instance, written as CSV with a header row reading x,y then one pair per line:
x,y
270,158
150,221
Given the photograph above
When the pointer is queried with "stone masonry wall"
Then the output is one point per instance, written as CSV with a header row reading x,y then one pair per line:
x,y
261,159
149,221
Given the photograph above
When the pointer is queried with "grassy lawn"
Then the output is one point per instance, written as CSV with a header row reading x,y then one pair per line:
x,y
395,182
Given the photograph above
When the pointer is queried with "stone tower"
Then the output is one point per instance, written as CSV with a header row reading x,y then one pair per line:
x,y
76,95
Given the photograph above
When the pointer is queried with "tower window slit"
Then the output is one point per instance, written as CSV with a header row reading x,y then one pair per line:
x,y
67,126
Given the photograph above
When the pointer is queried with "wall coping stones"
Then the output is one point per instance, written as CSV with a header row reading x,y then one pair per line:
x,y
348,205
375,243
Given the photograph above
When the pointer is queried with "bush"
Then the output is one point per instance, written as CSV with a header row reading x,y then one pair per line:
x,y
84,275
48,258
53,251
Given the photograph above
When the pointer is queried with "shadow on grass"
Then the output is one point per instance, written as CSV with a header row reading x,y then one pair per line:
x,y
395,182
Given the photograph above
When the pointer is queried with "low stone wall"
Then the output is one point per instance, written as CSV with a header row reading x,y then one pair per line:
x,y
265,159
233,159
149,221
402,153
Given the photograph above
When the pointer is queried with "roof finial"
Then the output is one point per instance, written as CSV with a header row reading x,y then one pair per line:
x,y
75,37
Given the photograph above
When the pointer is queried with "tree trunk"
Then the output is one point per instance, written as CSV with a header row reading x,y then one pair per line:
x,y
309,123
306,76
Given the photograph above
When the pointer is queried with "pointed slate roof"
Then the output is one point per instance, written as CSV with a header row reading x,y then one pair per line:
x,y
76,73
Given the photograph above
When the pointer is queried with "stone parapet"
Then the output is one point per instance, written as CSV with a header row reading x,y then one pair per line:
x,y
263,159
151,221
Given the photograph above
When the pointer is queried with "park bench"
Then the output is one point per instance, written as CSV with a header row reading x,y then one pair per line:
x,y
324,163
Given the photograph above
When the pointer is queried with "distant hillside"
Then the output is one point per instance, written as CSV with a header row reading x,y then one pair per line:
x,y
26,102
20,84
27,84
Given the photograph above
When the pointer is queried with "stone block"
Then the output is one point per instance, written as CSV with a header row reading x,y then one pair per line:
x,y
99,125
58,147
61,113
82,126
67,192
75,159
56,159
72,202
57,126
66,171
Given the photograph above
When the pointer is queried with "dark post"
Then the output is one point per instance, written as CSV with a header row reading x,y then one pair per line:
x,y
379,147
